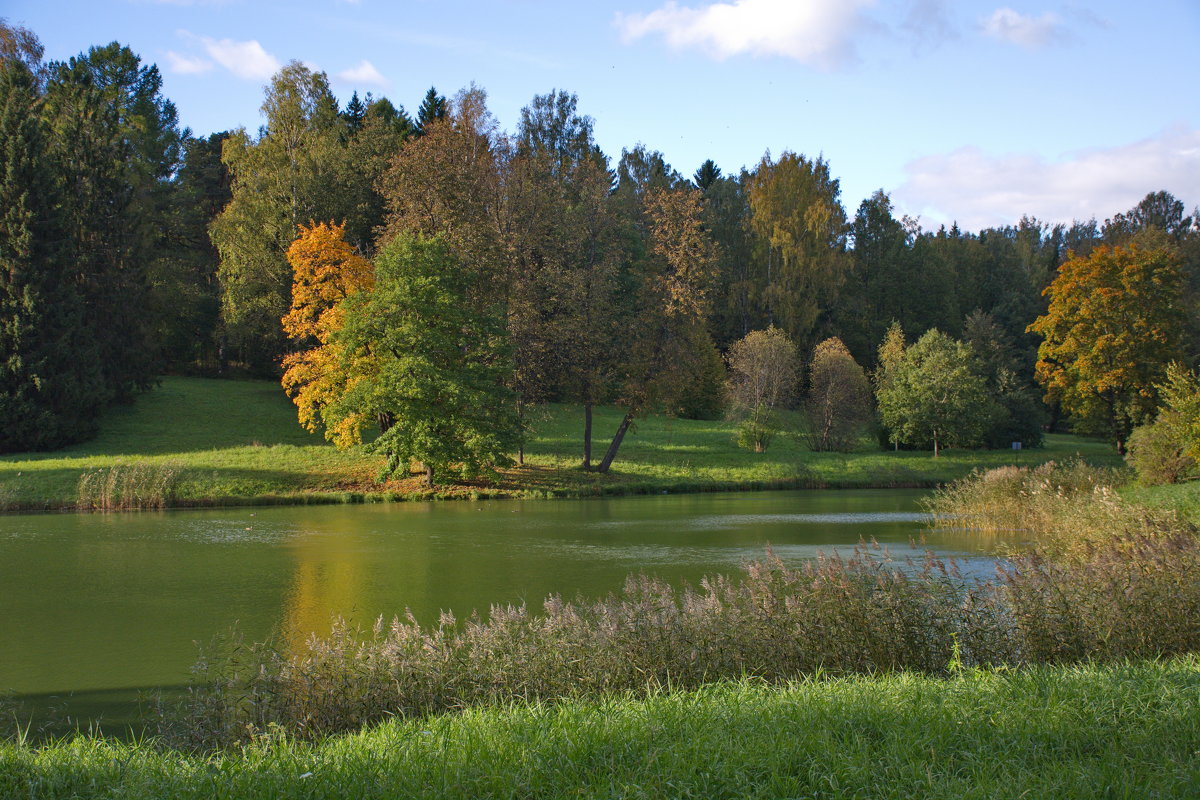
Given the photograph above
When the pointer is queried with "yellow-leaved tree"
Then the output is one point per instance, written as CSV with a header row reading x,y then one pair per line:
x,y
1113,324
325,271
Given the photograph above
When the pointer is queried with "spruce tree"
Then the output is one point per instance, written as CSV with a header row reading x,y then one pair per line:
x,y
433,107
354,113
49,382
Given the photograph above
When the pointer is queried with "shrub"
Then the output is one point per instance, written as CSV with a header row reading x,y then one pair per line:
x,y
1158,452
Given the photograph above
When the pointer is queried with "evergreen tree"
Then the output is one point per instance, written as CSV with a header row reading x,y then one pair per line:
x,y
110,200
187,293
354,113
432,109
707,175
50,388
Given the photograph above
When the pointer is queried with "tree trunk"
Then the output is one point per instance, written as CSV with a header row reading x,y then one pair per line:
x,y
616,443
587,436
935,446
386,420
521,422
428,476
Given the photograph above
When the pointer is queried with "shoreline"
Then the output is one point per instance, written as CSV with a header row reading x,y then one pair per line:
x,y
461,493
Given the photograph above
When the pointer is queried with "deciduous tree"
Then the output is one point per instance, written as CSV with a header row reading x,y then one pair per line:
x,y
1113,324
934,397
666,318
423,356
326,270
282,179
799,222
839,398
763,376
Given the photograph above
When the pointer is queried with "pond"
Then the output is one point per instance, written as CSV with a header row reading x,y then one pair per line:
x,y
96,610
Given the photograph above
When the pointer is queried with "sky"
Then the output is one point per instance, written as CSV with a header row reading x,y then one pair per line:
x,y
975,111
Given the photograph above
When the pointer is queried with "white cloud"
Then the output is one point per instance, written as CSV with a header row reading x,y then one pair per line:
x,y
187,65
244,59
1027,31
980,190
364,74
816,32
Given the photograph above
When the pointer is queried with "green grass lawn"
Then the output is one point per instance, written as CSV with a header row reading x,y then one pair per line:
x,y
204,442
1124,731
1183,497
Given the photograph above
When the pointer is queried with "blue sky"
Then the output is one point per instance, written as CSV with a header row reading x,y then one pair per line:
x,y
977,110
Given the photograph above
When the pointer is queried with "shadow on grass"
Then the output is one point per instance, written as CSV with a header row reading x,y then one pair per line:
x,y
122,713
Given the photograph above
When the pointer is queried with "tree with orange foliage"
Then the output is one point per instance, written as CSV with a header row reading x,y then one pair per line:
x,y
1114,323
325,271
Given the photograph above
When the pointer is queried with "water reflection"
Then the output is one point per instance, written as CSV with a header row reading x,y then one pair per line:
x,y
94,603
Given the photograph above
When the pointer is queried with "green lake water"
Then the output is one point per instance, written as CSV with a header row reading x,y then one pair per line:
x,y
98,609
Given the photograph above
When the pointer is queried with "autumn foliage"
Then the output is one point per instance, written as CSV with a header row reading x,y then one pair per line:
x,y
326,270
1113,324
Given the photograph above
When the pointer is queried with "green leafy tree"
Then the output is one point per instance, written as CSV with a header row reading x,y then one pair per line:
x,y
934,397
1167,450
764,371
800,226
565,250
286,177
1113,324
665,320
839,398
430,362
887,360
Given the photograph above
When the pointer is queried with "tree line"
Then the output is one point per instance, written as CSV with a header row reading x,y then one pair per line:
x,y
577,276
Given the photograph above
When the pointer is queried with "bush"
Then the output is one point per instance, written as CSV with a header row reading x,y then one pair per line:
x,y
1158,452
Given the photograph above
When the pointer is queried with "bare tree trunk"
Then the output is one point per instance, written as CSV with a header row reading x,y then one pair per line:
x,y
521,442
935,446
616,443
428,476
587,436
386,420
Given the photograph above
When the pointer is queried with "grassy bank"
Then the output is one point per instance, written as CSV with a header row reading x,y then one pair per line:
x,y
194,441
1182,497
1065,732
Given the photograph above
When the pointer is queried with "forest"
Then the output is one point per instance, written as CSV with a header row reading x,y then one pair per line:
x,y
418,281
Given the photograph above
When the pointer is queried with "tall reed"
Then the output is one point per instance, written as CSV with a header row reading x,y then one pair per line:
x,y
129,485
1102,580
839,615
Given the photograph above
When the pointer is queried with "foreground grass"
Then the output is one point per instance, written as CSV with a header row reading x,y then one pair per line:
x,y
1063,732
195,441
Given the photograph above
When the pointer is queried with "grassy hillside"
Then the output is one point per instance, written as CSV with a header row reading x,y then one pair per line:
x,y
195,441
1065,732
